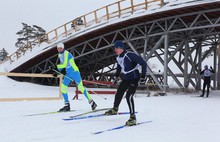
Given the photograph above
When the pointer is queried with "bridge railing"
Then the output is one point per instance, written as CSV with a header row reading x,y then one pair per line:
x,y
110,12
114,10
31,98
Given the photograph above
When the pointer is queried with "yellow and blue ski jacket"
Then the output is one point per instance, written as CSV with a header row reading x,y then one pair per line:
x,y
66,61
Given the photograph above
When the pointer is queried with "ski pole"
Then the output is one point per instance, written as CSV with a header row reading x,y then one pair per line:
x,y
86,81
77,83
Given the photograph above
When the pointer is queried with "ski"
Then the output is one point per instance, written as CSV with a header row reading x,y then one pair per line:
x,y
198,96
120,127
88,112
55,112
92,116
46,113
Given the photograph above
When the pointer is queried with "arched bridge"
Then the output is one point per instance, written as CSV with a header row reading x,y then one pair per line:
x,y
179,35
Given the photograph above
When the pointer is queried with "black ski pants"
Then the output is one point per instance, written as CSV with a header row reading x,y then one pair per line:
x,y
130,86
206,82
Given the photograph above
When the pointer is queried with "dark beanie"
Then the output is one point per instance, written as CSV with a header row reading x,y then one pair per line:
x,y
119,44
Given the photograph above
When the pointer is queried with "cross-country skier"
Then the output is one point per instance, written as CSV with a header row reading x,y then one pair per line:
x,y
127,63
68,64
207,79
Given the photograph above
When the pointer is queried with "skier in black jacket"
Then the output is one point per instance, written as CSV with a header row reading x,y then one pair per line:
x,y
127,63
207,79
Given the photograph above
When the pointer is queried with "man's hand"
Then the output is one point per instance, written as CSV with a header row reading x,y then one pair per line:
x,y
115,81
142,81
52,68
63,71
55,74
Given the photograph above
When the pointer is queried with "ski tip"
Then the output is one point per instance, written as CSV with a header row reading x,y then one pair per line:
x,y
144,122
66,119
95,133
48,113
120,127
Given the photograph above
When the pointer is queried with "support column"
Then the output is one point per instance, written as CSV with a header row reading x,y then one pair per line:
x,y
215,66
218,66
199,66
186,60
166,46
157,45
145,47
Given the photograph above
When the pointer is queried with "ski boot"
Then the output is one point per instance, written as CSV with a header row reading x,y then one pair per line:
x,y
112,111
131,121
65,108
93,104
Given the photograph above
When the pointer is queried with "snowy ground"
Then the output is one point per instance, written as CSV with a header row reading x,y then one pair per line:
x,y
175,118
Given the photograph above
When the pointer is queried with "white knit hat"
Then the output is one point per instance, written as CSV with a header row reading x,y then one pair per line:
x,y
60,45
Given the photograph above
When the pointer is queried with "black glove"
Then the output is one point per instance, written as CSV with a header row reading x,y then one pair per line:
x,y
63,71
115,81
211,68
55,74
142,81
52,68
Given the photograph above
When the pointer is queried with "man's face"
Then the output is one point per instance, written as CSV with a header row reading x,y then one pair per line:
x,y
59,49
118,51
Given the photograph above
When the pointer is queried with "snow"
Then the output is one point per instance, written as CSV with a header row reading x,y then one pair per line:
x,y
177,117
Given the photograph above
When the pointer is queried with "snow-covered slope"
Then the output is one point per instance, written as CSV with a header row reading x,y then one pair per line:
x,y
175,118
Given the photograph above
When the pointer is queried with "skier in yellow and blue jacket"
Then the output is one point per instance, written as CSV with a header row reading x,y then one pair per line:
x,y
68,64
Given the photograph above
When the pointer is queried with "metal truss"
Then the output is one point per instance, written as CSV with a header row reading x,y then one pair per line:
x,y
175,42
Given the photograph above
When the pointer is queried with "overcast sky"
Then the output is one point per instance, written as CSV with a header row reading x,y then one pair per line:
x,y
47,14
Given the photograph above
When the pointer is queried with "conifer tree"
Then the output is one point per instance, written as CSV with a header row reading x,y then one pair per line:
x,y
3,54
29,36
